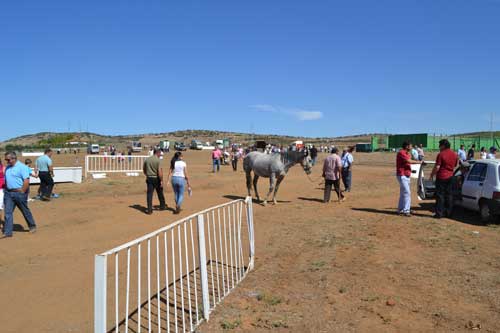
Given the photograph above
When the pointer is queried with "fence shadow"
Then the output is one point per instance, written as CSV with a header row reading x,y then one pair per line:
x,y
182,311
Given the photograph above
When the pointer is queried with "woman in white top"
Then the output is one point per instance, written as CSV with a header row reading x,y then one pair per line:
x,y
483,153
178,171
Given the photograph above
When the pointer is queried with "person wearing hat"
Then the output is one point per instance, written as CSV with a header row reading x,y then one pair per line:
x,y
446,162
492,154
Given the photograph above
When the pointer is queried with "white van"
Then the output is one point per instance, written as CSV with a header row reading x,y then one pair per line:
x,y
477,190
93,149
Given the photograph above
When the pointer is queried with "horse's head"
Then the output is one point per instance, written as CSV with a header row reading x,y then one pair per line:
x,y
307,164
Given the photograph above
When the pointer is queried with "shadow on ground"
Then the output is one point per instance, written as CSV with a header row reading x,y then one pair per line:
x,y
311,199
459,214
238,197
144,209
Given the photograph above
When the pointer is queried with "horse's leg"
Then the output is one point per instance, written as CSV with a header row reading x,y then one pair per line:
x,y
255,180
280,179
249,183
272,179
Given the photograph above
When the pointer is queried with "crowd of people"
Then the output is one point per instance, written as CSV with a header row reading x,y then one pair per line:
x,y
446,163
336,171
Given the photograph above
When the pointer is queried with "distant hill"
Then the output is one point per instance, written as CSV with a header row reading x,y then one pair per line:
x,y
59,139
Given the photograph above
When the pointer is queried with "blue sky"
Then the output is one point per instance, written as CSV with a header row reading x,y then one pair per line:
x,y
313,68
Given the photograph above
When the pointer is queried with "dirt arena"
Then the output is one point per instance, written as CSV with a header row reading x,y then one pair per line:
x,y
341,267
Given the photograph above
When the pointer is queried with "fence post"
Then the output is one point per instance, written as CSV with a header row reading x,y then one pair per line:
x,y
251,239
100,284
86,165
203,266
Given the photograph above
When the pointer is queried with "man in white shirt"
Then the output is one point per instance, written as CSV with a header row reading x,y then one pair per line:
x,y
347,160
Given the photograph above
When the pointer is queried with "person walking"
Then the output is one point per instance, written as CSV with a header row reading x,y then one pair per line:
x,y
421,153
179,173
492,154
471,152
332,170
446,162
347,160
235,156
414,153
17,182
216,157
403,173
314,155
46,174
154,181
462,155
2,183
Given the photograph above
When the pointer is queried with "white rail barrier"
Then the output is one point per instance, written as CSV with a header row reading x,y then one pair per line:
x,y
63,175
171,279
115,163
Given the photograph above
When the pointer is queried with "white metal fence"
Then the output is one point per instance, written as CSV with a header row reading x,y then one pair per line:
x,y
171,279
115,163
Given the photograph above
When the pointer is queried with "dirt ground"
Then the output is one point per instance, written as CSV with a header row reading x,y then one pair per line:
x,y
338,267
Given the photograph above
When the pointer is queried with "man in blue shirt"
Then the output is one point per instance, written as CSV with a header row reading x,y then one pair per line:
x,y
347,161
17,182
45,173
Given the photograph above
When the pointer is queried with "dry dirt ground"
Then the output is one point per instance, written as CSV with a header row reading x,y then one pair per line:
x,y
339,267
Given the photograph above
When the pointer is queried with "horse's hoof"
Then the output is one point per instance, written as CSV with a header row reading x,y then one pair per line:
x,y
275,202
264,203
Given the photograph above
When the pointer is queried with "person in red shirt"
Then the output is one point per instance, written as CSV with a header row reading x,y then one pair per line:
x,y
403,173
446,162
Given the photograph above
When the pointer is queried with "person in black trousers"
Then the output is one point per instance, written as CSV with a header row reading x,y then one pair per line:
x,y
46,174
154,181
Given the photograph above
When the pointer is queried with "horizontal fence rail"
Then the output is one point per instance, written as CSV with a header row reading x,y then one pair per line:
x,y
114,163
171,280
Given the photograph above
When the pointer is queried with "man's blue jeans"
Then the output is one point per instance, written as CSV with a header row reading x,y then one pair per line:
x,y
11,200
216,164
178,184
404,194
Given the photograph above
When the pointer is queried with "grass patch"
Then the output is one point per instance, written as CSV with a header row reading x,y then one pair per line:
x,y
271,300
230,324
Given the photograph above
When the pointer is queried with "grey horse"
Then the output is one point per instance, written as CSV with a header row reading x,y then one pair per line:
x,y
270,166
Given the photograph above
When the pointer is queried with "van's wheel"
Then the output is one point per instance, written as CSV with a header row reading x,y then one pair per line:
x,y
484,210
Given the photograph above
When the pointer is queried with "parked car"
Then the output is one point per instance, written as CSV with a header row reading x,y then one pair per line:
x,y
196,145
179,146
477,188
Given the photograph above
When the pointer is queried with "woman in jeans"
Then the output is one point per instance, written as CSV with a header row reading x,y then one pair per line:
x,y
178,171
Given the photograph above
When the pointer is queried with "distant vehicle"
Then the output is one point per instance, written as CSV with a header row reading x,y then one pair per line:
x,y
179,146
219,144
477,190
196,145
165,145
136,146
93,149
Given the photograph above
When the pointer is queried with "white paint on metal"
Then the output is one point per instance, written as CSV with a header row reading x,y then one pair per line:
x,y
223,227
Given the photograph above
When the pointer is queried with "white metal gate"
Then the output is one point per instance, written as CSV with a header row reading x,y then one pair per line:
x,y
114,163
171,279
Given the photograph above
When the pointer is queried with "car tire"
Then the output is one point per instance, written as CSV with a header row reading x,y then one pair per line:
x,y
484,210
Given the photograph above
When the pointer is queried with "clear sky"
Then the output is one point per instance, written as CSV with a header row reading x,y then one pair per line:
x,y
313,68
